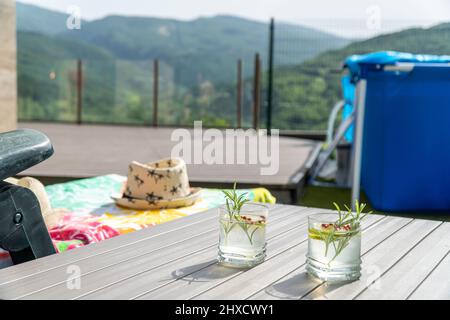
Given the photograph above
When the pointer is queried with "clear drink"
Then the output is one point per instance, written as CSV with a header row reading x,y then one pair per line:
x,y
242,241
334,253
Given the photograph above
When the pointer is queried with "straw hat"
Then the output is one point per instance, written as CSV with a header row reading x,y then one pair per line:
x,y
51,216
157,185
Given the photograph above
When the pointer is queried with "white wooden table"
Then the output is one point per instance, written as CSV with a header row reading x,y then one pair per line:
x,y
402,259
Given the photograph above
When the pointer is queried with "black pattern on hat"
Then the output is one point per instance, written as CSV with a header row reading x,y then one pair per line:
x,y
156,176
129,199
174,190
138,180
153,196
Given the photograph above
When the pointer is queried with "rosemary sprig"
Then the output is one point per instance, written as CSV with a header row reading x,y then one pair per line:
x,y
343,229
233,201
234,204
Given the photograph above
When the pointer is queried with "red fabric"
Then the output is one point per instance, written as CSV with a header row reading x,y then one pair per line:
x,y
72,227
85,229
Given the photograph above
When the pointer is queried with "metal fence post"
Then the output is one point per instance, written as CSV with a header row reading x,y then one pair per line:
x,y
155,91
239,95
270,76
79,91
256,91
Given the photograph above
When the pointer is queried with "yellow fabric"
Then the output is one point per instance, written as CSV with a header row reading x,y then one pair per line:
x,y
127,220
92,197
263,195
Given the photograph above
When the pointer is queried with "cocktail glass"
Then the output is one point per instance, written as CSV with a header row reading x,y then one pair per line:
x,y
334,252
242,241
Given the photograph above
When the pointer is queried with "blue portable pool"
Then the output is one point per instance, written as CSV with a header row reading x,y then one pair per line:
x,y
405,164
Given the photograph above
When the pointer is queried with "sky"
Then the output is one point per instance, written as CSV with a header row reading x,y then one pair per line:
x,y
349,18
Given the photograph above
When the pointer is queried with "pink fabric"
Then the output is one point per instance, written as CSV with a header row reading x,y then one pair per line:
x,y
84,228
72,232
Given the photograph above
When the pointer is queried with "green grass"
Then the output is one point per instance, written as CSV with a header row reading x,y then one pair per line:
x,y
323,197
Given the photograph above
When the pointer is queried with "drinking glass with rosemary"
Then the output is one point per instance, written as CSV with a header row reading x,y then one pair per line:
x,y
334,244
242,240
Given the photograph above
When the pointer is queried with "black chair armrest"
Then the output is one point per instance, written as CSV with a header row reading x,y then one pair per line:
x,y
22,149
23,232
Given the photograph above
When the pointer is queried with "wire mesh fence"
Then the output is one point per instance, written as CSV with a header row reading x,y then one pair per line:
x,y
46,90
122,92
306,75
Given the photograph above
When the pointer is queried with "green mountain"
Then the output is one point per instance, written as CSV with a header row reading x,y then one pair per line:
x,y
204,48
197,58
304,94
40,20
197,67
36,46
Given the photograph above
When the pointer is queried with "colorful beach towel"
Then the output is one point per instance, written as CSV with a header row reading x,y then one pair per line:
x,y
94,217
90,199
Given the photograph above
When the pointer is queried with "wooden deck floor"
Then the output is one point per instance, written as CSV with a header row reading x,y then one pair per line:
x,y
92,150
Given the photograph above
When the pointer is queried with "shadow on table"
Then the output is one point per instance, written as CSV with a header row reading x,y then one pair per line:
x,y
299,286
204,272
292,288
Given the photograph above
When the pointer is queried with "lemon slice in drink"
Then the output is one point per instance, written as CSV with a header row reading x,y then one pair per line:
x,y
322,231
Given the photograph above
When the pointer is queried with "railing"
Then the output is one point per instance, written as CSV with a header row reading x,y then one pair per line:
x,y
158,93
135,93
292,86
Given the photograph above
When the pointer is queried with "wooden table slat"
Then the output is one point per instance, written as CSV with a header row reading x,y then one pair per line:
x,y
127,267
158,237
117,243
403,258
378,261
269,272
403,278
191,284
265,274
296,284
437,284
159,277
